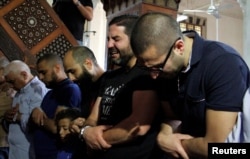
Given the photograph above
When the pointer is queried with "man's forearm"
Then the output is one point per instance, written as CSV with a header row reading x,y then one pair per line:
x,y
115,136
49,124
197,147
90,122
120,135
167,127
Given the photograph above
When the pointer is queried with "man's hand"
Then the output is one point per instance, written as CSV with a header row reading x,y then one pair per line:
x,y
171,143
76,125
94,137
10,113
38,116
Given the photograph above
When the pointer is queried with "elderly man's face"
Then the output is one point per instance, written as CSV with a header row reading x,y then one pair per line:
x,y
17,81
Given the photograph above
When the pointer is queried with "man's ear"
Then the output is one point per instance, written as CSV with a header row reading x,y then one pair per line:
x,y
88,64
179,46
56,68
24,75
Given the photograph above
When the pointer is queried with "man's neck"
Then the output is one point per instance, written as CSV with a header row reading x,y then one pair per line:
x,y
188,49
99,72
131,63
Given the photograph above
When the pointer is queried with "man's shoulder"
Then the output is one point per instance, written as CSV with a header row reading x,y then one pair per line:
x,y
67,85
71,85
88,3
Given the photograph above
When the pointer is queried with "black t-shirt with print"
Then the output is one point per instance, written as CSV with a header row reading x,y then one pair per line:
x,y
116,105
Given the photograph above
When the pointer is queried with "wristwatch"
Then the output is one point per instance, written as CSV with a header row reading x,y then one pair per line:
x,y
82,131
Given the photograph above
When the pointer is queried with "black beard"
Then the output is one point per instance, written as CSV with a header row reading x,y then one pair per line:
x,y
53,83
85,82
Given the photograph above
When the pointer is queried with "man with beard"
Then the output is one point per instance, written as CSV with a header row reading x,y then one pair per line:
x,y
63,93
81,67
210,80
122,119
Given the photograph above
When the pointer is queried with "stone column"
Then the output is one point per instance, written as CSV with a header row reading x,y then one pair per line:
x,y
245,5
97,33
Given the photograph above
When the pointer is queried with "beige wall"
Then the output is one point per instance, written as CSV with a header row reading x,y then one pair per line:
x,y
229,31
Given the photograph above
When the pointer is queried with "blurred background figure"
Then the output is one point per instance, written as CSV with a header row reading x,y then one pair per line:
x,y
5,103
74,13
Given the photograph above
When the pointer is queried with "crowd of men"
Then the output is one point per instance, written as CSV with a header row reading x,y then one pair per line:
x,y
171,94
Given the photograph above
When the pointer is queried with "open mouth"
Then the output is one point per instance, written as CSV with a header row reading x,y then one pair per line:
x,y
113,52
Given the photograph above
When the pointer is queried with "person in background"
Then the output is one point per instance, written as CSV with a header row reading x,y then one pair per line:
x,y
30,92
74,13
70,145
121,124
209,81
63,93
5,104
81,67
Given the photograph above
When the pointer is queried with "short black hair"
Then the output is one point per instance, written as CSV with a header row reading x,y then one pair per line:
x,y
126,20
154,29
69,113
81,53
51,58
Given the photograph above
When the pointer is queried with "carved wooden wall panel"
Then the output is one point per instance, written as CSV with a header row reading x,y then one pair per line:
x,y
151,7
30,29
113,6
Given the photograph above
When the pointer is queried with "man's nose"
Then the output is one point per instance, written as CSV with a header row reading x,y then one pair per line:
x,y
110,44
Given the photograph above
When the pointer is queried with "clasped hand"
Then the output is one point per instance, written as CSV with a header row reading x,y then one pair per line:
x,y
93,136
9,114
171,143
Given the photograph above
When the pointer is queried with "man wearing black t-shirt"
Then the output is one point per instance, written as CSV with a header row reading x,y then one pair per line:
x,y
122,123
74,13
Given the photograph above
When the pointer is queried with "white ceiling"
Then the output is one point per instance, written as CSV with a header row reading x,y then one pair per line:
x,y
229,8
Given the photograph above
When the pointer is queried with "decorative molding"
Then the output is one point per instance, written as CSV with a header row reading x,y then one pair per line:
x,y
114,6
30,29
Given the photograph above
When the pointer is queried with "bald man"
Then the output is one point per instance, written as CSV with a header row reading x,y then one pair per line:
x,y
81,67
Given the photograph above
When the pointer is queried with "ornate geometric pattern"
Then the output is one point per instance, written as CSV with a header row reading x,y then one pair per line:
x,y
9,47
3,3
31,22
59,46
